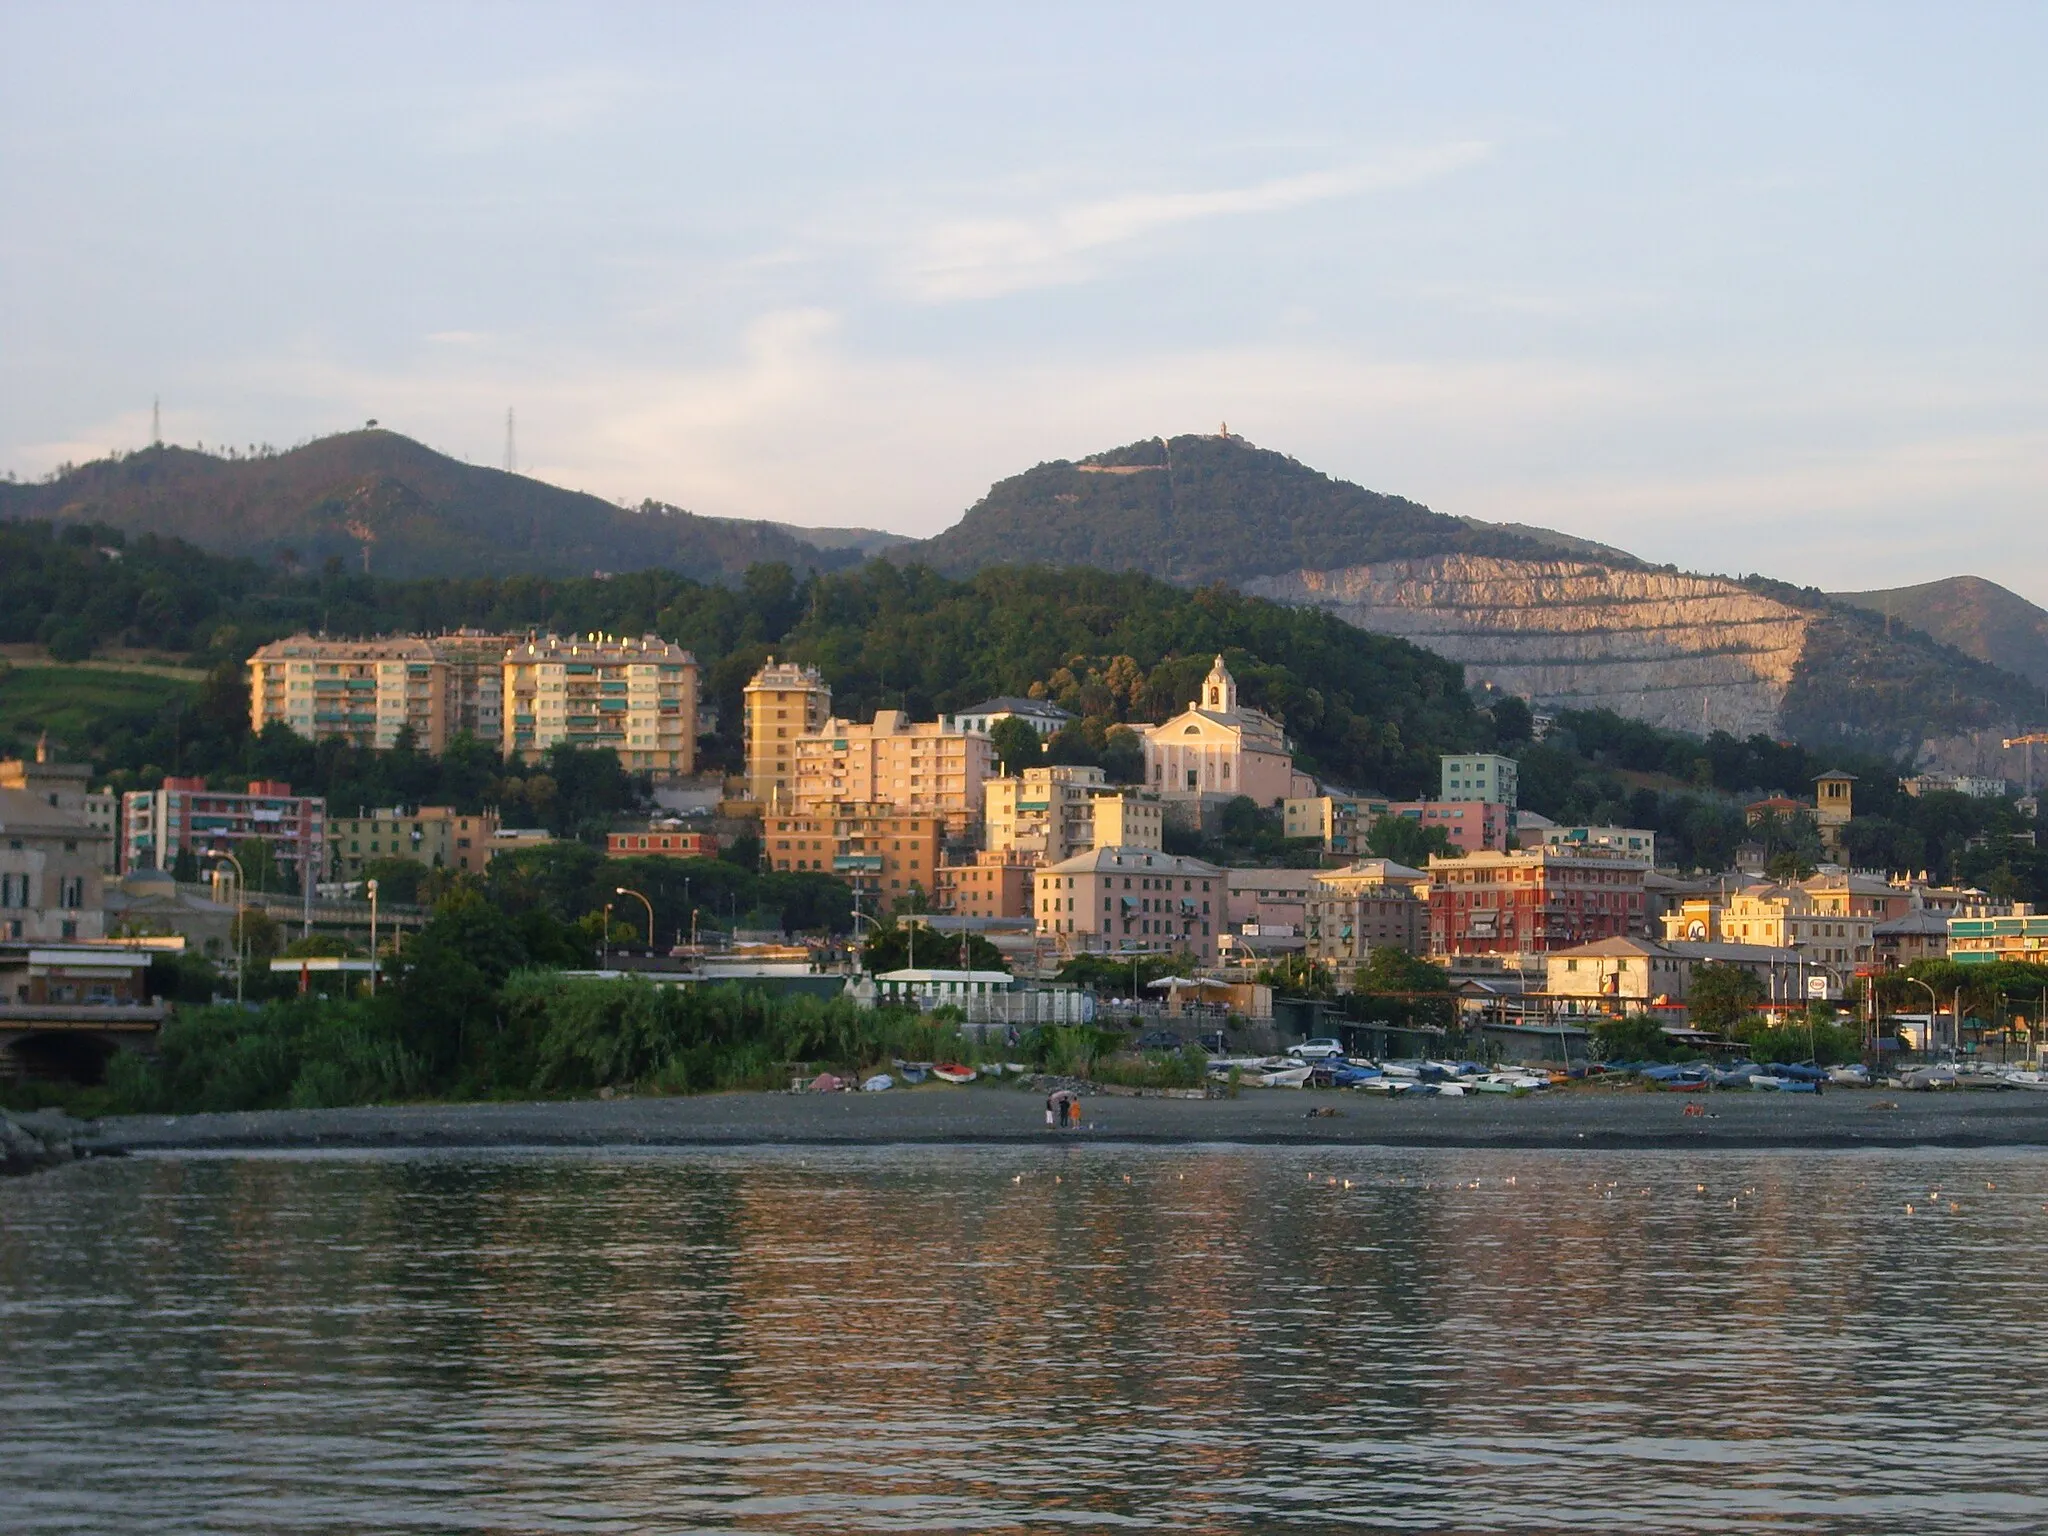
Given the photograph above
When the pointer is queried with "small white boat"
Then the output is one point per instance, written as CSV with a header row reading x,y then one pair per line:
x,y
1450,1090
1412,1069
1392,1085
954,1072
878,1083
1286,1077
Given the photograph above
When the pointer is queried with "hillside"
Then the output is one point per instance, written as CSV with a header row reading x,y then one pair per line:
x,y
1978,617
1194,510
382,503
1563,621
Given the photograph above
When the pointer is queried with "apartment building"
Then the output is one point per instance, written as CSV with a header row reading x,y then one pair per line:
x,y
994,885
1985,938
637,697
1481,776
67,787
51,869
158,824
1635,842
1339,824
1047,719
1344,923
783,702
1130,900
659,842
366,692
1272,901
437,836
880,849
1532,901
928,767
1473,825
1047,815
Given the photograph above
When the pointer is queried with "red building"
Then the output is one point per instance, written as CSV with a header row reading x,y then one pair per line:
x,y
662,845
1529,902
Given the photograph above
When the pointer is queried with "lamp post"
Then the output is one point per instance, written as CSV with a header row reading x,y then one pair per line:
x,y
627,891
1933,1007
241,923
370,886
604,951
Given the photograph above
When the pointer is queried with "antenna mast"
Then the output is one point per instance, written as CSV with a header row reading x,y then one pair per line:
x,y
511,448
156,422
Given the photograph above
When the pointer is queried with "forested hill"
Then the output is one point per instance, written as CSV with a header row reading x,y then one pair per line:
x,y
1364,709
378,500
1197,509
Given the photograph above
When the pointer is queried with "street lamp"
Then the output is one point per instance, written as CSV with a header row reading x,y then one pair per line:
x,y
241,923
1933,1006
604,951
371,887
626,891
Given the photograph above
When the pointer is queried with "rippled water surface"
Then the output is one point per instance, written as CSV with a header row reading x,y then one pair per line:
x,y
1002,1339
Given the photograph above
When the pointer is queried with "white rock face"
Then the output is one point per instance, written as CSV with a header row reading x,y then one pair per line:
x,y
1691,653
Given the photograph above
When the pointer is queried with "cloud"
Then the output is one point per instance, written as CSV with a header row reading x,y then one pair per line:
x,y
984,258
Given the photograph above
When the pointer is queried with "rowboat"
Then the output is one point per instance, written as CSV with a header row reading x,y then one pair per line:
x,y
953,1072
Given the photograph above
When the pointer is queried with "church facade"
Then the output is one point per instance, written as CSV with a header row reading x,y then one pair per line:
x,y
1217,746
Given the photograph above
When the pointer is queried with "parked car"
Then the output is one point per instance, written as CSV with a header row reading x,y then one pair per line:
x,y
1323,1049
1217,1044
1160,1040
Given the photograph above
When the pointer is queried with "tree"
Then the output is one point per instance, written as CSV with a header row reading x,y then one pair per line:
x,y
1407,841
1402,989
892,946
1017,745
1513,721
1720,995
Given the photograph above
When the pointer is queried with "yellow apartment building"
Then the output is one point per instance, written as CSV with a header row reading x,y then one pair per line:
x,y
1047,815
782,703
637,697
435,835
879,849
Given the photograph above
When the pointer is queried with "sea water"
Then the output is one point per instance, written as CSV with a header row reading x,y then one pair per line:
x,y
1000,1339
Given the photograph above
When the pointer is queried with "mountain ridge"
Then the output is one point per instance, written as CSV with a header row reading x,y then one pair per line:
x,y
383,503
1976,616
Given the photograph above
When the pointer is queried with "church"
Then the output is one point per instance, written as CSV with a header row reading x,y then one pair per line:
x,y
1218,747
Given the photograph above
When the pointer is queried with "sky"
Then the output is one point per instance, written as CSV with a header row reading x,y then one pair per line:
x,y
1738,287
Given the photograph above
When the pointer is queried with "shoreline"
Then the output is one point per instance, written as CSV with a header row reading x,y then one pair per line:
x,y
1004,1116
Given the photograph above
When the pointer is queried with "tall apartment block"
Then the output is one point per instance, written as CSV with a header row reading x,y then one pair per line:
x,y
366,691
638,697
928,765
783,702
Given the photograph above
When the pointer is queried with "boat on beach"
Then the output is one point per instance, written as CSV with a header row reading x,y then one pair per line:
x,y
954,1072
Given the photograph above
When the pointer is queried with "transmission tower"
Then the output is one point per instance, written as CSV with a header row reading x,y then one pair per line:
x,y
511,446
156,422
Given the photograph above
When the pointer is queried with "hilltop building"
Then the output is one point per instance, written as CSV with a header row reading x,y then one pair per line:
x,y
637,697
783,702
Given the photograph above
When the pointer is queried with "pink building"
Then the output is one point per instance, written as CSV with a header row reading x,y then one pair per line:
x,y
1473,825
